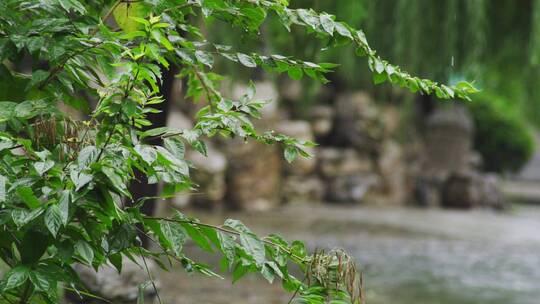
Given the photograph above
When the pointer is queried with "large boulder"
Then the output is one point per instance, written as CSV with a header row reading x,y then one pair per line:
x,y
321,118
350,188
209,175
348,174
448,141
253,176
358,123
392,170
342,161
303,189
178,120
469,189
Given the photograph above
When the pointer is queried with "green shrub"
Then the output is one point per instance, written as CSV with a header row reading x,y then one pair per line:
x,y
502,136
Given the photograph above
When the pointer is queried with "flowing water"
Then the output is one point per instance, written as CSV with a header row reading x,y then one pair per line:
x,y
408,255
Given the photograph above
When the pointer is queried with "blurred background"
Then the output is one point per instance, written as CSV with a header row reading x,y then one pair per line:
x,y
439,201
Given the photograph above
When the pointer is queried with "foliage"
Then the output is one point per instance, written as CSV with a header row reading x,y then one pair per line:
x,y
501,136
64,195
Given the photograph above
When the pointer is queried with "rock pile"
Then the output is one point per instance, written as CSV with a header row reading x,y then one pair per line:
x,y
359,159
450,177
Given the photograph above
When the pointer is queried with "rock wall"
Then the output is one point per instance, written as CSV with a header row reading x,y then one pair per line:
x,y
359,159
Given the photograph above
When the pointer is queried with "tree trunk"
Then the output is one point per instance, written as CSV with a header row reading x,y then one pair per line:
x,y
140,188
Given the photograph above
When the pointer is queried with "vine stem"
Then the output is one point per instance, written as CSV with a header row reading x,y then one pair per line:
x,y
229,231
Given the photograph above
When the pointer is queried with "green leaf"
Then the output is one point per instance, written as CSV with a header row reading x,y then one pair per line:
x,y
33,246
53,219
290,153
204,58
295,73
174,234
63,206
28,197
254,247
175,146
15,277
327,23
227,246
342,30
42,281
196,235
246,60
22,217
80,179
3,180
147,153
249,241
239,271
121,237
116,180
87,156
42,167
84,251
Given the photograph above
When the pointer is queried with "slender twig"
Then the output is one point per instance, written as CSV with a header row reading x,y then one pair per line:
x,y
150,277
87,294
297,290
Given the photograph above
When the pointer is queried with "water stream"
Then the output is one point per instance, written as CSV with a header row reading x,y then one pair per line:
x,y
408,255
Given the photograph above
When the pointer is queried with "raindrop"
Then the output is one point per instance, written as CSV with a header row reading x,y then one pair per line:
x,y
452,61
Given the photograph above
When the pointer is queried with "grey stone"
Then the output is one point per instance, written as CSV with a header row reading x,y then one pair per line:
x,y
321,118
448,141
350,188
357,123
109,284
209,175
303,189
337,161
253,176
392,170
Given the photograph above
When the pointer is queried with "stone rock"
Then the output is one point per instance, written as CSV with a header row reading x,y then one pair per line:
x,y
392,170
303,189
448,141
109,284
291,90
461,190
209,175
321,120
427,191
357,123
253,176
491,194
178,120
350,188
337,162
301,130
348,174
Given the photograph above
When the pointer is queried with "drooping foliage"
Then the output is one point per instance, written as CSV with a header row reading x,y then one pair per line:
x,y
64,195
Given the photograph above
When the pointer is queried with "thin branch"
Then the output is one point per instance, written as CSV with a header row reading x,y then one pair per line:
x,y
87,294
150,277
